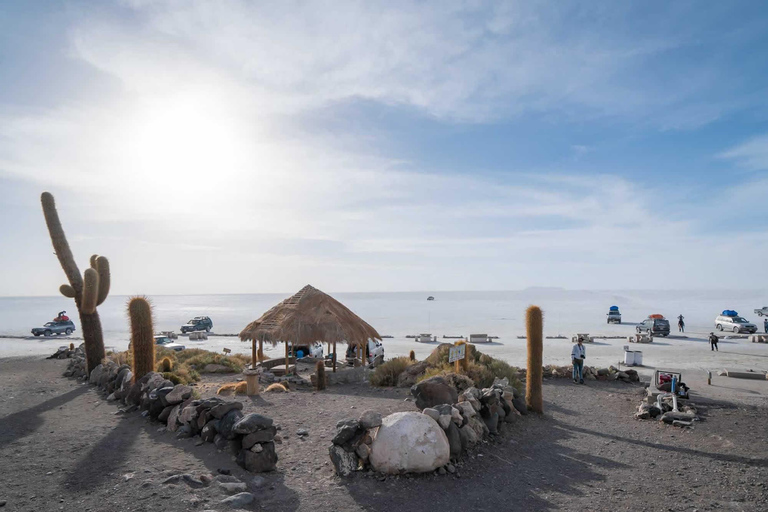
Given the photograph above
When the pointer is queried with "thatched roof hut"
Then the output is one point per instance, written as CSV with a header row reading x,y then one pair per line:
x,y
308,316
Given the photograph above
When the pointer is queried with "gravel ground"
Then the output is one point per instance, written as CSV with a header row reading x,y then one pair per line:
x,y
63,447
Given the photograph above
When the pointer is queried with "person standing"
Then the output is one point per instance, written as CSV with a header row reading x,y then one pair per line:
x,y
765,325
578,354
713,341
680,323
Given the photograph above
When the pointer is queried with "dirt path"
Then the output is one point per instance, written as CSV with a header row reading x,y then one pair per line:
x,y
62,447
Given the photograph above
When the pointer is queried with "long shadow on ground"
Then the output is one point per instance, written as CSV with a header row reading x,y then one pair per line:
x,y
22,423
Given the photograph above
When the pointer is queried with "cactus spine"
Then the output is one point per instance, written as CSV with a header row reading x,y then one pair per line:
x,y
535,332
89,290
320,375
142,339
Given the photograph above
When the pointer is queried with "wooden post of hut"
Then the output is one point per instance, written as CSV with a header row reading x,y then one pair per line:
x,y
334,357
253,354
286,359
363,358
261,350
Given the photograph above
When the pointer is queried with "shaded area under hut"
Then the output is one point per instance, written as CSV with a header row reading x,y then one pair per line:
x,y
307,317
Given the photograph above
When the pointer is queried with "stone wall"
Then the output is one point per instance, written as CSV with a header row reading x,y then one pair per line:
x,y
250,438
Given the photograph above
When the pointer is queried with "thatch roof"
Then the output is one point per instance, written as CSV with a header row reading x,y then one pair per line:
x,y
308,316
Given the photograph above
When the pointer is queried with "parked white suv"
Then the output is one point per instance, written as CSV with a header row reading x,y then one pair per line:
x,y
734,324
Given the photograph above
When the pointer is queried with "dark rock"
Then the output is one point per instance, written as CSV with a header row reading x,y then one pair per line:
x,y
159,394
411,374
261,436
492,422
220,410
184,432
193,482
252,423
454,440
344,462
227,425
220,441
433,391
209,403
208,433
156,408
260,462
235,445
519,404
346,431
464,437
203,417
172,424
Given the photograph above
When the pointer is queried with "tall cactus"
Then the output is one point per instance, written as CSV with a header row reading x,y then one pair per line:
x,y
89,290
142,339
534,324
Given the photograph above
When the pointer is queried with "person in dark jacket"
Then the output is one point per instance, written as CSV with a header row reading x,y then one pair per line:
x,y
680,323
713,341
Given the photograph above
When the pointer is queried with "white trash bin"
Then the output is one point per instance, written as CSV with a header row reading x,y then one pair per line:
x,y
638,358
629,357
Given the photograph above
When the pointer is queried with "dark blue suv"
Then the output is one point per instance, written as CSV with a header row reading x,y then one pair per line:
x,y
199,323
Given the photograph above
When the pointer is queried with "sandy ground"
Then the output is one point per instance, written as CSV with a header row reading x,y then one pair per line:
x,y
63,447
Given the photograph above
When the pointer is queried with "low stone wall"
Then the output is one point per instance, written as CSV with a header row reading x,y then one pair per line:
x,y
250,438
684,417
455,423
590,373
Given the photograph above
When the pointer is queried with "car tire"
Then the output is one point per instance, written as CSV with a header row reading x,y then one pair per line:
x,y
47,333
68,331
735,329
36,334
719,327
637,329
207,329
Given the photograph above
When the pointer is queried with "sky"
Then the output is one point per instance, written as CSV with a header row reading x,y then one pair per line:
x,y
243,147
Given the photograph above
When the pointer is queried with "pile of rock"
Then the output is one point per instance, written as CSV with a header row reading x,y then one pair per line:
x,y
251,437
411,442
351,446
684,417
65,352
76,366
592,373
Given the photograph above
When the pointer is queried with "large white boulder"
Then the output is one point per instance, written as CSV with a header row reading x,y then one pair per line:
x,y
409,442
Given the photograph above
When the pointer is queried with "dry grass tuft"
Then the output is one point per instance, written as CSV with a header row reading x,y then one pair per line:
x,y
277,387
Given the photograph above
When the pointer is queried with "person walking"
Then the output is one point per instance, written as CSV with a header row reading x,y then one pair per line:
x,y
713,341
578,354
680,323
765,325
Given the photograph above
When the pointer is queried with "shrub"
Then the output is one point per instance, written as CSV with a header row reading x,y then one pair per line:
x,y
387,373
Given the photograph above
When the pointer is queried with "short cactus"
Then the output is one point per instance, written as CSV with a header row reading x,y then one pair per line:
x,y
142,339
89,290
412,356
167,364
71,346
533,380
320,375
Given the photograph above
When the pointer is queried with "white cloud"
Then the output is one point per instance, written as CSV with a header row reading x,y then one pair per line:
x,y
752,154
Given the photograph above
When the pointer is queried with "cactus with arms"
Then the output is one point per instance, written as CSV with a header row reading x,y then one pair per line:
x,y
89,290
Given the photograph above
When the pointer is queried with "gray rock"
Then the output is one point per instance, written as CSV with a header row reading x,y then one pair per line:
x,y
346,431
172,425
233,487
252,423
409,376
492,422
344,462
265,460
188,415
220,410
363,451
454,440
178,394
228,422
239,500
370,419
433,391
193,482
302,432
432,413
262,436
444,421
466,409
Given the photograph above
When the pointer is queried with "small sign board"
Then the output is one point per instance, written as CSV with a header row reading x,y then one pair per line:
x,y
456,353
